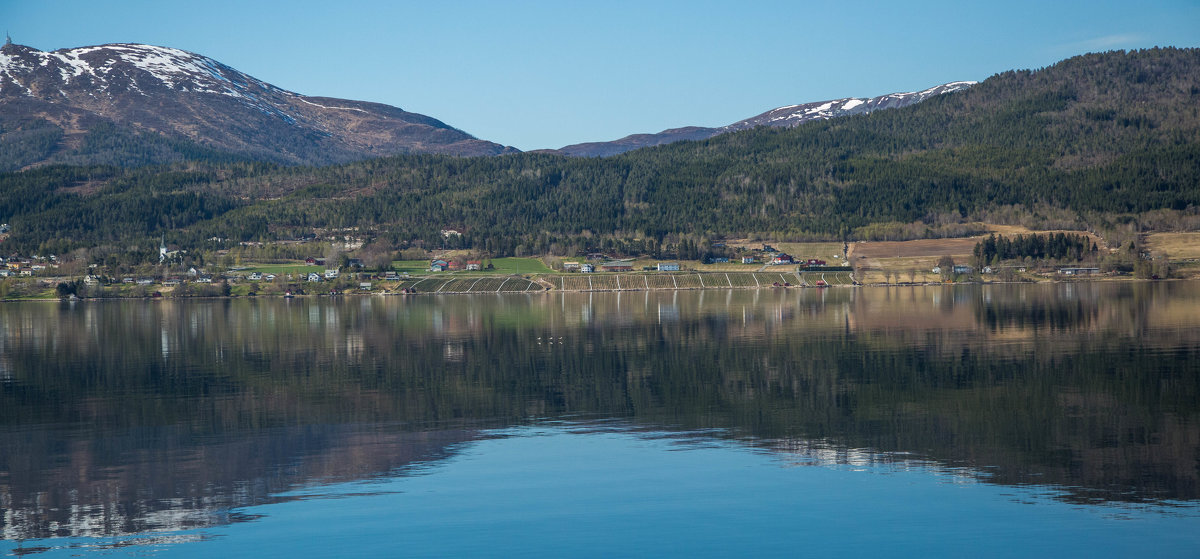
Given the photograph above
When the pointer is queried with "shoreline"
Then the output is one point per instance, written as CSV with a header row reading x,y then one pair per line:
x,y
543,289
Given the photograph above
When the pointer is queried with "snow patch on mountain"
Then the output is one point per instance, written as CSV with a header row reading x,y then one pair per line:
x,y
792,115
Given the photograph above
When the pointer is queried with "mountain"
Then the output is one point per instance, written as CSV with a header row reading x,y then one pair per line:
x,y
132,103
788,116
1108,141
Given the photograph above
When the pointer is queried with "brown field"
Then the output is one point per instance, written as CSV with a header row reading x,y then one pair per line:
x,y
927,248
1177,245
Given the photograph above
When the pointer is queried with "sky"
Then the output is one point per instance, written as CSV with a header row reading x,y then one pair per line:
x,y
547,74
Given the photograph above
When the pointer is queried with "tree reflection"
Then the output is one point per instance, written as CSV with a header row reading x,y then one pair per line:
x,y
128,417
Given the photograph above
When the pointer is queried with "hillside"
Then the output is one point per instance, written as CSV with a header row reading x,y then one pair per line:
x,y
130,104
781,117
1105,141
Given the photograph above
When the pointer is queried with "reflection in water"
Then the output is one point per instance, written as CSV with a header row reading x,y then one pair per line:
x,y
132,417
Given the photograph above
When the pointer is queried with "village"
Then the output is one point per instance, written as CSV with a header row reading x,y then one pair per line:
x,y
742,265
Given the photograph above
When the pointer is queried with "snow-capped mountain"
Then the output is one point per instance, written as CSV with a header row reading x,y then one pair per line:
x,y
792,115
191,97
788,116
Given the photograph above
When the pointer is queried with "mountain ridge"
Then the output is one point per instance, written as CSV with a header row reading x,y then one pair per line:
x,y
190,97
786,116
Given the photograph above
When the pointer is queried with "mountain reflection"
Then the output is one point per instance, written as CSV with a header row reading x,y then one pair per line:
x,y
132,417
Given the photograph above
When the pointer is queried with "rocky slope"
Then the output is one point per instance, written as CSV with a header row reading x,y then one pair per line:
x,y
65,104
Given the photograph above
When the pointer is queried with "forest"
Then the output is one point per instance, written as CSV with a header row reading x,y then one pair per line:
x,y
1102,142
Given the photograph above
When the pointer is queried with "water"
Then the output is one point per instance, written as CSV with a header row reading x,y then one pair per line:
x,y
993,421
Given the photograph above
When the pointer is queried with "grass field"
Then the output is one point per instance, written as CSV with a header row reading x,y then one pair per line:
x,y
1177,246
511,265
411,266
277,269
516,265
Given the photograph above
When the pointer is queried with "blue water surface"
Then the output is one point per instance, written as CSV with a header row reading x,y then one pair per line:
x,y
580,491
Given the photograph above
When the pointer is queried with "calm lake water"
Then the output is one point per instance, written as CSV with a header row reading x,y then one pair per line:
x,y
1006,421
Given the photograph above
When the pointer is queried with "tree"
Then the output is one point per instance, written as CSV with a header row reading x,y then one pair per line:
x,y
946,267
1161,266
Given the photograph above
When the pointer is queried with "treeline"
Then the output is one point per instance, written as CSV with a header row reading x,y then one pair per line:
x,y
1055,246
1097,141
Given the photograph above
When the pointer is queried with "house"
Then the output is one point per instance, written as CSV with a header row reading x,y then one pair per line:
x,y
962,269
782,258
331,273
1078,271
313,276
310,261
474,265
269,277
391,275
747,260
570,266
718,260
668,266
617,266
586,268
354,263
204,279
439,265
365,286
255,276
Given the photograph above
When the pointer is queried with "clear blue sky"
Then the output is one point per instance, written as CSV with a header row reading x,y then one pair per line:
x,y
546,74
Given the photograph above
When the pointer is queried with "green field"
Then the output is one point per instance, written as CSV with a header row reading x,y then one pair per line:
x,y
411,266
512,265
516,265
277,269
